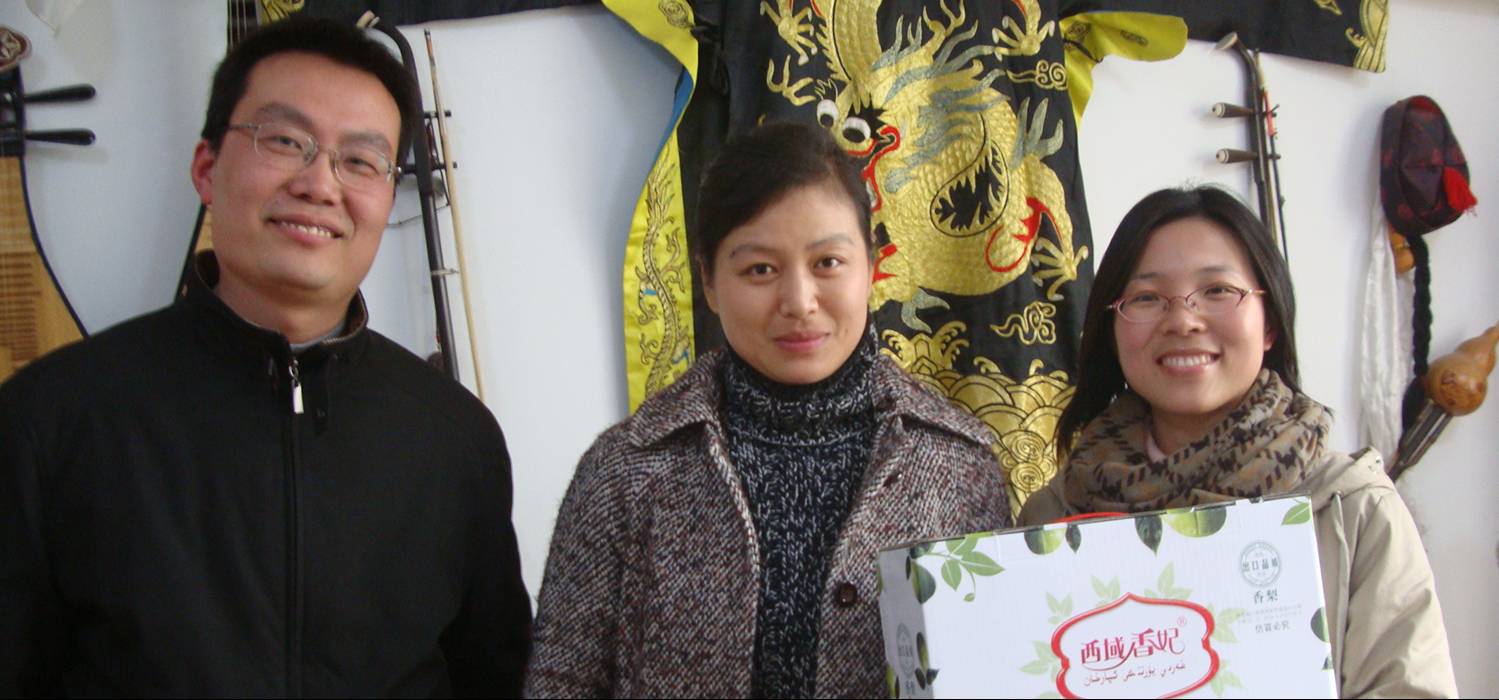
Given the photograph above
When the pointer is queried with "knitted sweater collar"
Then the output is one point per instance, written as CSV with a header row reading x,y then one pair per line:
x,y
826,410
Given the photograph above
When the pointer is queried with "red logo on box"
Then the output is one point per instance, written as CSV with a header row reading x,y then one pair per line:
x,y
1136,647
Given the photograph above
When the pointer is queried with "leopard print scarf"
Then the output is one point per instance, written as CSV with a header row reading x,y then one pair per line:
x,y
1264,446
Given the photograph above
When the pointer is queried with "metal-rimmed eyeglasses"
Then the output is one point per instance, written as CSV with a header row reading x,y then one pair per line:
x,y
1212,300
290,148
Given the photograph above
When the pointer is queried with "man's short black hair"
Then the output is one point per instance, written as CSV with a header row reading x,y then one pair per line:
x,y
341,43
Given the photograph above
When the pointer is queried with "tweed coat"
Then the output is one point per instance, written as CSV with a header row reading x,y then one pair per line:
x,y
652,582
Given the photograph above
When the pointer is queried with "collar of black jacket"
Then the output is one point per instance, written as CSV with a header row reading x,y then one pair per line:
x,y
229,331
694,399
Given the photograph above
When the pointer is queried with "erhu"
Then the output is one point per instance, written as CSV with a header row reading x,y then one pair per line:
x,y
431,156
1263,156
421,147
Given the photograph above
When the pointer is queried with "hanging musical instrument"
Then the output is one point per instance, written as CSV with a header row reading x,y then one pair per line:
x,y
1263,156
448,165
244,17
1455,384
421,148
35,316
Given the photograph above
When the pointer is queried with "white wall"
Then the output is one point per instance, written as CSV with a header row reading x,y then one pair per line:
x,y
557,115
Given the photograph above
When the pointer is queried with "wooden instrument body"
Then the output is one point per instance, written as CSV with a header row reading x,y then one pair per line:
x,y
35,317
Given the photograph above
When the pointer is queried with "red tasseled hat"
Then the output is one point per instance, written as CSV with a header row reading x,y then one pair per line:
x,y
1423,177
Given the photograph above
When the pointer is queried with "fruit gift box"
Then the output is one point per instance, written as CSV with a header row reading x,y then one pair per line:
x,y
1212,601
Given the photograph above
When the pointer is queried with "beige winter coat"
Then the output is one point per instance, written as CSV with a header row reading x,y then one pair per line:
x,y
652,582
1388,638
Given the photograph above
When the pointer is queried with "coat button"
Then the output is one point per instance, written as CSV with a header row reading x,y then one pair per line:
x,y
846,595
890,480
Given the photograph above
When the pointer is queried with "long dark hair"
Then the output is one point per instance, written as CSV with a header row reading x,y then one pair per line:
x,y
1099,376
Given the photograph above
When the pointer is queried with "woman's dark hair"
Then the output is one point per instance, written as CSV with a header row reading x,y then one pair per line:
x,y
341,43
1099,376
757,168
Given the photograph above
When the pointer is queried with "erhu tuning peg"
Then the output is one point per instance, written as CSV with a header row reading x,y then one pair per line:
x,y
74,137
1224,110
1234,155
67,93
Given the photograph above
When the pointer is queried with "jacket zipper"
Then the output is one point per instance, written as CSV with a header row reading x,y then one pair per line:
x,y
293,539
295,370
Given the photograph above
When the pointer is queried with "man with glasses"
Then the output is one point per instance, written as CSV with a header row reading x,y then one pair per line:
x,y
250,492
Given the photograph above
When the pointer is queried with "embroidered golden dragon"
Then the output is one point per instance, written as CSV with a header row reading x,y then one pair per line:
x,y
956,175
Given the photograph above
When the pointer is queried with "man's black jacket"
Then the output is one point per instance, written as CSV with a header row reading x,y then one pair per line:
x,y
170,525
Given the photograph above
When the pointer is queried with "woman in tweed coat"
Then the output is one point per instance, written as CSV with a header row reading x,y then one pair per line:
x,y
721,542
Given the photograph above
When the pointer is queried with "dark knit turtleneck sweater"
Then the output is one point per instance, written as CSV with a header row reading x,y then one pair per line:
x,y
801,452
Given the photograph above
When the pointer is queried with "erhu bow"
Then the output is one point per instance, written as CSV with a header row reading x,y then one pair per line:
x,y
1263,157
448,165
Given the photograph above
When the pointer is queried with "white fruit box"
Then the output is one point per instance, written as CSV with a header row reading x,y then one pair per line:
x,y
1213,601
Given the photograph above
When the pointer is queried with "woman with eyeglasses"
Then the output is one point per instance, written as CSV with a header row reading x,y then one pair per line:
x,y
1188,393
721,542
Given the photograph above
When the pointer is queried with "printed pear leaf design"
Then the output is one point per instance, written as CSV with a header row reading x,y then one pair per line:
x,y
1045,663
1060,609
1223,624
922,583
1223,679
961,557
952,573
1107,592
1074,536
1319,625
925,674
892,684
1148,527
980,564
965,545
1201,522
1167,585
1043,541
1299,514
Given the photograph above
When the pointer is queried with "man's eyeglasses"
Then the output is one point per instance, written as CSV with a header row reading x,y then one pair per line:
x,y
1149,307
291,149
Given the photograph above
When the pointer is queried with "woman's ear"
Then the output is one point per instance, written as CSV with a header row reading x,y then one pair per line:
x,y
709,293
1269,338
